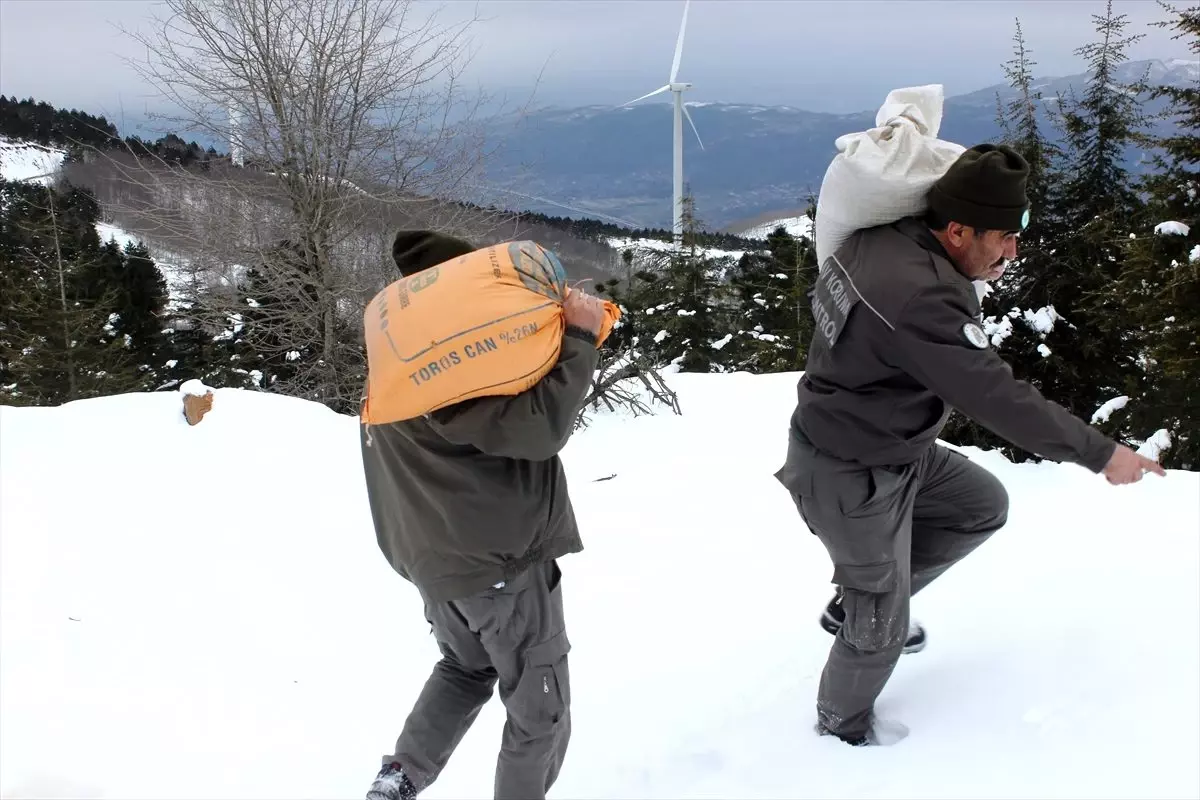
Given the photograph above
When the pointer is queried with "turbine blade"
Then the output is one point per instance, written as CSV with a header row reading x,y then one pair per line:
x,y
689,119
651,94
679,44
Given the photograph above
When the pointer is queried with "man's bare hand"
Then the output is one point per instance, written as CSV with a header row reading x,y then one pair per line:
x,y
1126,466
582,310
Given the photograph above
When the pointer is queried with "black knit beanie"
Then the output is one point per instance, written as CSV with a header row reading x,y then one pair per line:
x,y
414,251
984,189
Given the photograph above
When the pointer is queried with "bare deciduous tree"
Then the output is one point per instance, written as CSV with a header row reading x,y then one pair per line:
x,y
350,121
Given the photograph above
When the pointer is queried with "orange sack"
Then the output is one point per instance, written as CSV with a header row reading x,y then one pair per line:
x,y
487,323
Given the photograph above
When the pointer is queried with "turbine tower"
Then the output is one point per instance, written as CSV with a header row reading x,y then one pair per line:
x,y
677,88
236,154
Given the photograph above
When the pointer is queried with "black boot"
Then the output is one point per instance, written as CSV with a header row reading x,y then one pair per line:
x,y
859,741
391,784
834,615
882,733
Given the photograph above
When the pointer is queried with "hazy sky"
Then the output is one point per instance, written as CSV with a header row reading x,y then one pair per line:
x,y
823,55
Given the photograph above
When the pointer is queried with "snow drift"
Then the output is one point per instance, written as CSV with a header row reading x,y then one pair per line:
x,y
191,612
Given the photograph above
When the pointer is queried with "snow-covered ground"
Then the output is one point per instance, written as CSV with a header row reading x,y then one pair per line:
x,y
25,161
203,612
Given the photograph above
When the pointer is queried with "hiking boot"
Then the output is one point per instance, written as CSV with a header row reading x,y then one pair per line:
x,y
834,615
881,733
856,741
391,784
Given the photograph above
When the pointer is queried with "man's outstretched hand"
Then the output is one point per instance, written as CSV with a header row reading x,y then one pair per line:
x,y
1126,466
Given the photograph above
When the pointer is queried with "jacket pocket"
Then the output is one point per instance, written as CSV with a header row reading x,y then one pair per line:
x,y
548,680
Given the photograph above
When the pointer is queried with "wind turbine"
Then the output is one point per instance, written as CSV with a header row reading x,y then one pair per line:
x,y
677,88
236,155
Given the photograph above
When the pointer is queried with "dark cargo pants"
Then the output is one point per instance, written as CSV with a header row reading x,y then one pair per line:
x,y
514,635
889,531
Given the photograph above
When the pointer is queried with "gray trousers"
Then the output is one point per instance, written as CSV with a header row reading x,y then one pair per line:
x,y
515,636
889,531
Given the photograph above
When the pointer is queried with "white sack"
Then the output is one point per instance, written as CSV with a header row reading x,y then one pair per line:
x,y
884,174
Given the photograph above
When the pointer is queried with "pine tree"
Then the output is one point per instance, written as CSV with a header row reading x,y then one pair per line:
x,y
137,294
81,318
760,284
272,334
279,335
774,321
1023,309
57,340
27,285
144,298
211,355
99,286
682,311
1100,207
1159,283
1058,324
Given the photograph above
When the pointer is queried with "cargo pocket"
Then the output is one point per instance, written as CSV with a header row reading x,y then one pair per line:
x,y
869,492
872,606
878,578
548,692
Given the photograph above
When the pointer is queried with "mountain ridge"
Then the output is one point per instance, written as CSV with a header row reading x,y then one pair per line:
x,y
615,160
759,162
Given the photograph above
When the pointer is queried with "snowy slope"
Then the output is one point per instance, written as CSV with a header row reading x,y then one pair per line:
x,y
175,275
646,249
203,612
25,161
799,227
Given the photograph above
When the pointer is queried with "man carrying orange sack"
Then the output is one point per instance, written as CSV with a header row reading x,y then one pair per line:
x,y
470,504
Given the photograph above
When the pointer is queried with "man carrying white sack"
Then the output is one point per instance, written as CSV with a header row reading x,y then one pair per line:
x,y
470,504
898,345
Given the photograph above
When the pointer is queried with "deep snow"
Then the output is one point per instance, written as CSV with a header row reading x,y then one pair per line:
x,y
203,612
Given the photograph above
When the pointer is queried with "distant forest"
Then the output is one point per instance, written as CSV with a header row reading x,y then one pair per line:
x,y
74,131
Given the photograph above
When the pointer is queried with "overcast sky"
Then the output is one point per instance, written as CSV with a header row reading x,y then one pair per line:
x,y
822,55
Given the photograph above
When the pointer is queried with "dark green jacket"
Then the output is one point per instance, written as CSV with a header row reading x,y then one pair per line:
x,y
899,344
475,493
